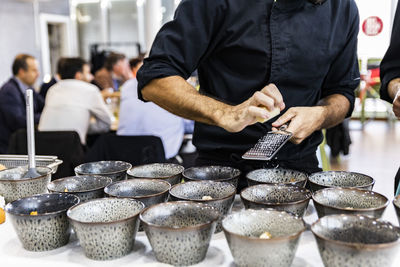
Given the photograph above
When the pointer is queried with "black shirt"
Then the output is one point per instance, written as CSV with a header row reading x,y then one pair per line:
x,y
239,46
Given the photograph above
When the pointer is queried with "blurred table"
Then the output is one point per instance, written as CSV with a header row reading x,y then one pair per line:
x,y
12,253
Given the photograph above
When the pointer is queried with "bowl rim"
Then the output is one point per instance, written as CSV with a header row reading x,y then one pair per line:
x,y
129,172
202,200
103,173
140,179
278,183
332,186
186,228
396,198
357,245
350,189
104,199
239,172
60,180
75,199
273,239
306,191
27,179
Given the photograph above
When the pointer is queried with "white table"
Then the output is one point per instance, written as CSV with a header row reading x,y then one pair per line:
x,y
12,253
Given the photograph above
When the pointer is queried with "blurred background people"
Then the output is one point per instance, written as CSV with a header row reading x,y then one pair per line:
x,y
25,70
73,104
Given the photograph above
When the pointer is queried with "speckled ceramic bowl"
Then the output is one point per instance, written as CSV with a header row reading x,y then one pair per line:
x,y
13,186
222,194
180,232
85,187
106,227
288,198
276,176
356,240
49,228
321,180
172,173
116,170
213,173
396,203
349,201
243,230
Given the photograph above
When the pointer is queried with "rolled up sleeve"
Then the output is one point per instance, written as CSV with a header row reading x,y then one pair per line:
x,y
183,43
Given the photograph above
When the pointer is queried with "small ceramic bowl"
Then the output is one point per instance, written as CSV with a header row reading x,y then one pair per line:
x,y
219,195
172,173
40,221
213,173
288,198
277,176
106,227
396,203
180,232
13,186
85,187
349,201
243,230
116,170
356,240
321,180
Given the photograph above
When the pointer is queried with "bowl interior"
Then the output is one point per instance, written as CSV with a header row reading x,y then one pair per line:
x,y
211,173
180,214
199,189
137,188
79,183
396,202
265,193
156,170
253,223
341,179
355,229
103,167
18,173
105,210
343,198
276,176
42,204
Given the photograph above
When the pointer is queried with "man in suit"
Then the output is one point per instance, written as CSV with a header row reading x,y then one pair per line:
x,y
25,71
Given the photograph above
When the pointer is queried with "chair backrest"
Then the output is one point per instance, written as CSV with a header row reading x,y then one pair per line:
x,y
136,150
65,145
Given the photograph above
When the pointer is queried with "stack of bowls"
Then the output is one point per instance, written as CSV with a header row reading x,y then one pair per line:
x,y
213,173
277,176
13,186
244,229
349,201
321,180
356,240
106,227
288,198
219,195
180,232
40,221
171,173
85,187
116,170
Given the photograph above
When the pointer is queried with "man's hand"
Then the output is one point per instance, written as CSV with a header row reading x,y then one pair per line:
x,y
394,93
396,105
303,121
257,107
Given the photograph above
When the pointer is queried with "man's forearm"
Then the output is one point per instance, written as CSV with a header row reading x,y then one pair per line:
x,y
335,108
394,87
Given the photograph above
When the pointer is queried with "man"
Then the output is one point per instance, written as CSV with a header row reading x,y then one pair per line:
x,y
73,104
253,57
114,73
390,73
139,118
25,69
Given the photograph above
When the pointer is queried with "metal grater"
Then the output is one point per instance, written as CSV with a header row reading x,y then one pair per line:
x,y
268,145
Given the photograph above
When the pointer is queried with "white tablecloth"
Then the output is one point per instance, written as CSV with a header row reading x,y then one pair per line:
x,y
12,253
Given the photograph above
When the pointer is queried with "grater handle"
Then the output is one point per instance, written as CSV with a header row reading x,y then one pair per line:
x,y
284,127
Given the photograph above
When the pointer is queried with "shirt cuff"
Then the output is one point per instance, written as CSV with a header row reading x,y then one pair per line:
x,y
384,93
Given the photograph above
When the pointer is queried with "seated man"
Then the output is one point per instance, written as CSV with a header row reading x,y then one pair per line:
x,y
139,118
12,98
73,104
